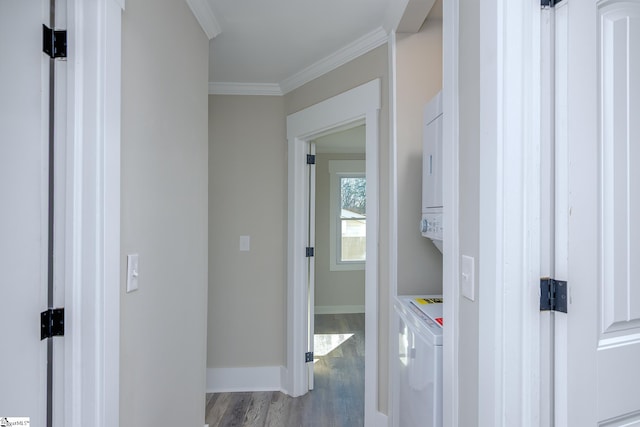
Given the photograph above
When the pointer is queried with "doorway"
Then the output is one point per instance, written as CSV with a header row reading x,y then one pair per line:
x,y
337,311
360,104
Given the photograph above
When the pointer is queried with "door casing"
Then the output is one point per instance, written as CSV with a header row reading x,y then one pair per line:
x,y
92,240
362,102
509,225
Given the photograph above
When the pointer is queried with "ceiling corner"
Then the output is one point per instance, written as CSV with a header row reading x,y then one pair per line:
x,y
206,18
407,16
353,50
394,15
415,15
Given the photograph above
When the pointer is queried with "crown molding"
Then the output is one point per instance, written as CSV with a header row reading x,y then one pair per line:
x,y
232,88
364,44
206,18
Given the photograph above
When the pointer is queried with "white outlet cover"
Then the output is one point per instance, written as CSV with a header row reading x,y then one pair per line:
x,y
468,279
132,272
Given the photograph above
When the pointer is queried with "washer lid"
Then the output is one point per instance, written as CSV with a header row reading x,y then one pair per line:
x,y
429,306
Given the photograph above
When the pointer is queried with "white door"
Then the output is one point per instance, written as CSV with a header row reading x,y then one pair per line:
x,y
24,75
311,264
598,246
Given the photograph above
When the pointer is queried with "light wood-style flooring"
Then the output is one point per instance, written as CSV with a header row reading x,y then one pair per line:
x,y
337,399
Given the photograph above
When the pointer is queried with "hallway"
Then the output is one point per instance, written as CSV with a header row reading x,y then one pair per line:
x,y
338,396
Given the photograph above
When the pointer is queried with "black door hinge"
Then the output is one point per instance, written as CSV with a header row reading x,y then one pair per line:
x,y
309,252
54,42
311,159
308,357
52,323
553,295
549,3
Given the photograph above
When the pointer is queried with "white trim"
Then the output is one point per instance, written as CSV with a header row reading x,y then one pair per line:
x,y
206,18
362,101
231,88
258,378
560,220
393,234
509,261
547,208
450,192
92,294
334,112
371,382
339,309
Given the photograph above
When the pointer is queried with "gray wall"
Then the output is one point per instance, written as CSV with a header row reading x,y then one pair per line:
x,y
469,128
418,79
164,214
332,288
247,197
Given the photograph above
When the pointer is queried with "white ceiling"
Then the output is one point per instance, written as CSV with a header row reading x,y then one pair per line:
x,y
277,45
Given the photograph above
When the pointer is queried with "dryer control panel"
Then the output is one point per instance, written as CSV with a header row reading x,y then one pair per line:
x,y
431,225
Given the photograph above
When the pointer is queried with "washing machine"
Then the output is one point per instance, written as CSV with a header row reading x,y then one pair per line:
x,y
419,397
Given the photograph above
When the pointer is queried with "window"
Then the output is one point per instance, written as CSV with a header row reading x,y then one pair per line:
x,y
348,222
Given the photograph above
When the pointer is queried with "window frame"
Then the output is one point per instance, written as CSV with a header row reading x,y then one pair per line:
x,y
341,169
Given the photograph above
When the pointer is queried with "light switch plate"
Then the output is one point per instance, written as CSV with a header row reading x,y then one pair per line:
x,y
468,279
245,243
132,272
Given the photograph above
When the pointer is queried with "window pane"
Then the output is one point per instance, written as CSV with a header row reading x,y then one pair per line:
x,y
353,231
353,197
353,240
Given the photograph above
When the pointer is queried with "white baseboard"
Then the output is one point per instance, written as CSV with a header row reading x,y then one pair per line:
x,y
338,309
260,378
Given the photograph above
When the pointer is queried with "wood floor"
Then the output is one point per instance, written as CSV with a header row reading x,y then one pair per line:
x,y
337,399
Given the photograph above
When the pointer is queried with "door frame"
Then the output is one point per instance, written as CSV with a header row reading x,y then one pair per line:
x,y
362,102
509,223
92,240
450,193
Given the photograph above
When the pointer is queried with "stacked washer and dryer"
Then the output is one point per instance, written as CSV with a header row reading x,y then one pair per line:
x,y
431,225
418,401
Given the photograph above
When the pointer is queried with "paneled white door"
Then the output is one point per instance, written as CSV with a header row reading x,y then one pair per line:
x,y
598,221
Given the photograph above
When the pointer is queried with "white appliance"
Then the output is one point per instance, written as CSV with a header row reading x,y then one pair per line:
x,y
431,225
419,397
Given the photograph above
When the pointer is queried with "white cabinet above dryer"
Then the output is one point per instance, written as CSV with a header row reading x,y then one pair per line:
x,y
432,155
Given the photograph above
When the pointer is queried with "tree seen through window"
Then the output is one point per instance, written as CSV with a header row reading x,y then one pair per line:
x,y
353,203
